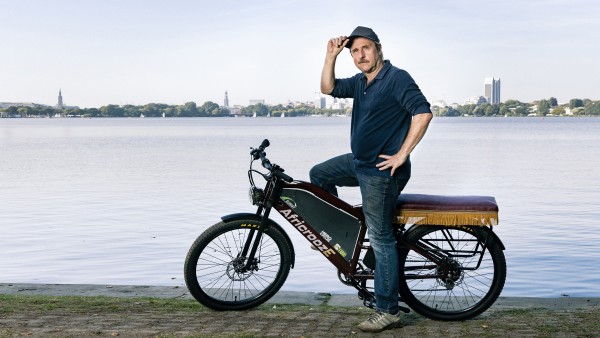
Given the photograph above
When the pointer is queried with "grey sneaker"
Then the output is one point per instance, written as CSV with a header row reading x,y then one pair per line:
x,y
380,321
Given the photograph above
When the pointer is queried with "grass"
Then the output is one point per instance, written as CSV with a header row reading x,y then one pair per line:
x,y
84,304
19,303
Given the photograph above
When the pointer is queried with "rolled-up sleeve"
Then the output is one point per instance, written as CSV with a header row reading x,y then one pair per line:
x,y
414,100
410,96
344,88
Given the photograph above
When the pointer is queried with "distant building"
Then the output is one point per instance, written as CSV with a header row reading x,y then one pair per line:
x,y
60,105
20,104
438,103
478,100
253,102
338,104
226,101
491,90
235,110
320,102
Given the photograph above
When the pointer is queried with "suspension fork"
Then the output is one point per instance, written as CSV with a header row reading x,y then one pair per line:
x,y
272,197
248,241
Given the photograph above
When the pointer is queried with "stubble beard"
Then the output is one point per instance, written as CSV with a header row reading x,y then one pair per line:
x,y
376,66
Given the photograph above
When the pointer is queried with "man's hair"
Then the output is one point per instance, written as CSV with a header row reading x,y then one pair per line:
x,y
379,51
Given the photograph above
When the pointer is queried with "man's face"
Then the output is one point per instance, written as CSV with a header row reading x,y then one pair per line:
x,y
365,55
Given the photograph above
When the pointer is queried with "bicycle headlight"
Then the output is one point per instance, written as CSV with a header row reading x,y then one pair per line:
x,y
256,195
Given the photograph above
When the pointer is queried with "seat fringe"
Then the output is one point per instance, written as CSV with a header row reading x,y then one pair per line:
x,y
431,217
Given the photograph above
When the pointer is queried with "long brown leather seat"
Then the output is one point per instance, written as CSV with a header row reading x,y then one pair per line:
x,y
447,210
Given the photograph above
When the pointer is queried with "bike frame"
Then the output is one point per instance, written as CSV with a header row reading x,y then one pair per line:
x,y
276,192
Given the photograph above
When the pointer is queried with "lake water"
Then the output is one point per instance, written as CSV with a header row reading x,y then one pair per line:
x,y
119,201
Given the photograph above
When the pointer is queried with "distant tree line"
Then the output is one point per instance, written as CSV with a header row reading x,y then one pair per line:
x,y
544,107
189,109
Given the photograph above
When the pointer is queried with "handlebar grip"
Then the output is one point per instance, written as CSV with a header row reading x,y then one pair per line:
x,y
260,151
265,143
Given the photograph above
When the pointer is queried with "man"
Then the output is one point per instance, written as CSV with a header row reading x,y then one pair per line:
x,y
389,117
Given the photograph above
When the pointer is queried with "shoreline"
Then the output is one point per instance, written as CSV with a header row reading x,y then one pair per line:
x,y
282,297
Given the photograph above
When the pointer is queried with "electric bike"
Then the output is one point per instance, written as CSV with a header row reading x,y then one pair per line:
x,y
451,263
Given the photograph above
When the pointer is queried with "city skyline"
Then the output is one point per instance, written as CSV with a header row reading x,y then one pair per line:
x,y
491,95
140,52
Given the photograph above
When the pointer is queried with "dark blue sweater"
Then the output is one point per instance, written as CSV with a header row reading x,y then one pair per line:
x,y
381,116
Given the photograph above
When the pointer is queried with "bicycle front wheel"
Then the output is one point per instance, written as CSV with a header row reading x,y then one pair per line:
x,y
216,271
467,284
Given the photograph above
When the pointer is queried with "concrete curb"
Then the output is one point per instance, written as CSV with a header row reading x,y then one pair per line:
x,y
282,297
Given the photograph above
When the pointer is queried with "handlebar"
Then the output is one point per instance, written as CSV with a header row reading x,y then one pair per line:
x,y
274,169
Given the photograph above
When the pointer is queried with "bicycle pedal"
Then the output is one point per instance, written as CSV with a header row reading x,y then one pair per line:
x,y
368,300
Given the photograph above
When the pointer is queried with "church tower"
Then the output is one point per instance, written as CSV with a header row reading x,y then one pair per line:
x,y
226,103
60,101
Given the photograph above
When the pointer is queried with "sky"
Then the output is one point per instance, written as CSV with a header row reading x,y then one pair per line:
x,y
177,51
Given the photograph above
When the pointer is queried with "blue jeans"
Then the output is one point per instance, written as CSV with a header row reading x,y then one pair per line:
x,y
379,196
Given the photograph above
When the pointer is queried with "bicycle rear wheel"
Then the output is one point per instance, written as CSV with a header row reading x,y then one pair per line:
x,y
475,276
214,267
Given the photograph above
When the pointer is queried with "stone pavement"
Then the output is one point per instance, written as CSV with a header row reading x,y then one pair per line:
x,y
519,317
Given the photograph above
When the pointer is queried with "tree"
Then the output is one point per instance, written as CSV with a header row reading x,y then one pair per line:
x,y
220,111
169,111
259,109
521,111
593,109
24,111
543,107
207,108
75,112
452,112
513,103
575,103
467,109
553,102
93,112
112,110
492,110
189,109
12,110
480,111
131,110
